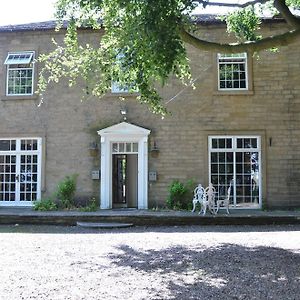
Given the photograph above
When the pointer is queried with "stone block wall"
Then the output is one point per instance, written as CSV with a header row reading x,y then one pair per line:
x,y
68,126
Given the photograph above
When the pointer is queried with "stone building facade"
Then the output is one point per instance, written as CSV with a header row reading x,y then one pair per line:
x,y
241,123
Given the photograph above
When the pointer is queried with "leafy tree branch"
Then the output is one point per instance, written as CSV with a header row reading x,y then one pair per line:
x,y
141,44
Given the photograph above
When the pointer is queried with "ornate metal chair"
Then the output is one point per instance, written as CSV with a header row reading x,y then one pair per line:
x,y
200,197
225,202
210,193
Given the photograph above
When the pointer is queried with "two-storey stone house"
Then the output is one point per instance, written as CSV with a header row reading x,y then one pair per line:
x,y
241,122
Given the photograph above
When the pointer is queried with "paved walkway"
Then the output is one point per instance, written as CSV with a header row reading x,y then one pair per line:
x,y
148,217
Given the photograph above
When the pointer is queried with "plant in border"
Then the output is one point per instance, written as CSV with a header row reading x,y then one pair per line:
x,y
91,206
45,205
180,195
66,190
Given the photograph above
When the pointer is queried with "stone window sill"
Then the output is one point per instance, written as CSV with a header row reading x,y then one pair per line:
x,y
122,94
29,97
233,93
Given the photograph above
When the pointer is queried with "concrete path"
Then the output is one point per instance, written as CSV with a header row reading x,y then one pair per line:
x,y
147,217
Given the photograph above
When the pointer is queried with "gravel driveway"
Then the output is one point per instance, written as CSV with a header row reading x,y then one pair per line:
x,y
195,262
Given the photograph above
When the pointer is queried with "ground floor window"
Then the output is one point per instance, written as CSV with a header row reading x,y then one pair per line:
x,y
20,171
236,159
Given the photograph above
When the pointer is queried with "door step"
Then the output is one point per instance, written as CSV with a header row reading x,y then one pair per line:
x,y
103,225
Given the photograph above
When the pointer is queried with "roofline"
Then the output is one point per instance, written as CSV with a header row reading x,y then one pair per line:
x,y
204,20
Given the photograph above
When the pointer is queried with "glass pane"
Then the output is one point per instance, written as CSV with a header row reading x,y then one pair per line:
x,y
4,145
128,147
214,168
247,143
239,143
221,143
214,143
135,147
222,168
115,147
254,143
214,157
228,143
121,147
221,157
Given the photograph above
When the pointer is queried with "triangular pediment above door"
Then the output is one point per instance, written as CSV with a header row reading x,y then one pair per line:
x,y
124,128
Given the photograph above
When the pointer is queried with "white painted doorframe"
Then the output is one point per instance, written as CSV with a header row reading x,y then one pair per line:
x,y
123,132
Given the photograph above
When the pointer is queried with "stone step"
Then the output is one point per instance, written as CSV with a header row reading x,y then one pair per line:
x,y
103,225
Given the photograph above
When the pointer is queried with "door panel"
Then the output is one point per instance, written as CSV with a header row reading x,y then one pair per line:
x,y
238,160
7,177
132,180
119,178
125,178
20,173
28,177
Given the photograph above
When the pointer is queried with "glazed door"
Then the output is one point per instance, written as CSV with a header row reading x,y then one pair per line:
x,y
119,180
236,158
20,171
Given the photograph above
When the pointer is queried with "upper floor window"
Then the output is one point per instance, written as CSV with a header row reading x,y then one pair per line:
x,y
20,72
117,88
232,71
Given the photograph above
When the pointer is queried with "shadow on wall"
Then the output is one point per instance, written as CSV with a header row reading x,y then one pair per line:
x,y
226,272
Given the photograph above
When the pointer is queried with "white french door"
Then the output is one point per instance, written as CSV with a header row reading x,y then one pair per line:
x,y
20,171
236,158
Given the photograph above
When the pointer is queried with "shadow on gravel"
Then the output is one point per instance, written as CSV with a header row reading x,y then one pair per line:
x,y
227,272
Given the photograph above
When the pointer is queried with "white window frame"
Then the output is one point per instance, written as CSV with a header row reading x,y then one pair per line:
x,y
116,88
231,59
235,149
18,152
20,61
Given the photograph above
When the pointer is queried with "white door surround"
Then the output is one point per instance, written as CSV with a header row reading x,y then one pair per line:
x,y
123,132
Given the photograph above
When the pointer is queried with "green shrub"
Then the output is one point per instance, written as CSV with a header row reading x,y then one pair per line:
x,y
45,205
91,206
180,195
66,191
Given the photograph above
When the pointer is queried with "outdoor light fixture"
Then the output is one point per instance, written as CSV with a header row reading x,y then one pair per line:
x,y
154,149
93,149
123,112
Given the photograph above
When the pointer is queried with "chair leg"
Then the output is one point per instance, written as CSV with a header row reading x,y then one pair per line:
x,y
218,206
204,210
227,208
194,205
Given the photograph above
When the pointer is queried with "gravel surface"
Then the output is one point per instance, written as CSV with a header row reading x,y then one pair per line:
x,y
215,262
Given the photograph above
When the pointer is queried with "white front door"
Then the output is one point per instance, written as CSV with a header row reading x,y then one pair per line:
x,y
20,171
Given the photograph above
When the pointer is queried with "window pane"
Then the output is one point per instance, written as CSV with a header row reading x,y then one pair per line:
x,y
135,147
214,143
4,145
128,147
115,147
121,147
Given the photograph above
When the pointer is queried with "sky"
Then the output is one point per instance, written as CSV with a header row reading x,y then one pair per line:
x,y
27,11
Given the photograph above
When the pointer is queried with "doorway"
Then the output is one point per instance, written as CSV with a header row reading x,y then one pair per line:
x,y
236,158
130,142
124,180
20,171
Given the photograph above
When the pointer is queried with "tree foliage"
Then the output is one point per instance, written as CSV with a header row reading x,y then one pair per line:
x,y
142,42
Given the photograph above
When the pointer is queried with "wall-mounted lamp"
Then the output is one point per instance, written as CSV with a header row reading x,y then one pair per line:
x,y
154,149
123,112
93,149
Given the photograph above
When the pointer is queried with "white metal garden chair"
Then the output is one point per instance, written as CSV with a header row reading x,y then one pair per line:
x,y
225,202
210,193
200,198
